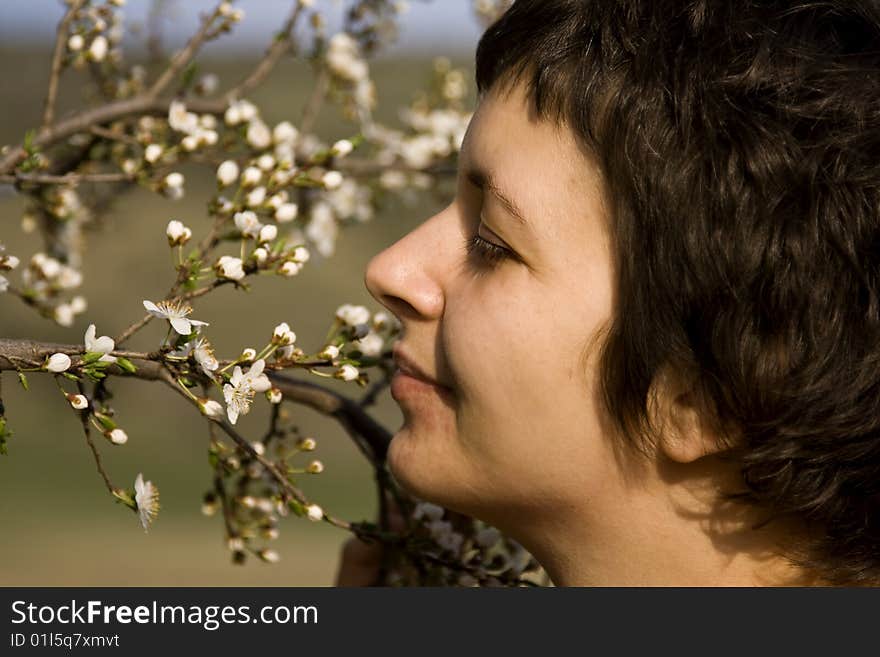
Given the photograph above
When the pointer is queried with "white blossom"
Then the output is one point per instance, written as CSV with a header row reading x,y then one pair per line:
x,y
269,556
315,467
239,392
322,229
256,197
177,233
289,269
301,255
117,436
260,255
227,173
347,373
330,352
180,120
284,133
146,497
282,334
266,162
268,234
274,396
58,363
173,185
78,402
332,179
211,409
353,315
369,345
204,355
176,313
98,49
314,512
103,345
286,212
248,223
153,152
428,510
230,267
76,42
251,177
258,135
248,354
78,305
343,147
63,314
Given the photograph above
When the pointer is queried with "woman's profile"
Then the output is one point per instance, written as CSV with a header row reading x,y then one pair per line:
x,y
644,337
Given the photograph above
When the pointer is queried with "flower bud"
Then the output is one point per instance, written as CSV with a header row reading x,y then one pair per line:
x,y
307,444
211,409
347,373
260,255
301,254
247,355
332,179
58,363
268,233
283,335
315,467
76,42
269,556
98,49
177,233
256,197
117,436
274,396
266,162
343,147
78,402
289,269
314,512
330,352
153,152
251,177
284,133
286,212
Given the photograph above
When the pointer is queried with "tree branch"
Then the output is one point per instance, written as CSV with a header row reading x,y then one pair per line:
x,y
282,43
57,61
183,57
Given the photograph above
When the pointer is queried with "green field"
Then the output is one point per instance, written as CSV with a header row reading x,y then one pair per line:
x,y
59,525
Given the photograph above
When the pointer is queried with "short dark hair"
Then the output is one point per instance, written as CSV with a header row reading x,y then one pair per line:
x,y
739,143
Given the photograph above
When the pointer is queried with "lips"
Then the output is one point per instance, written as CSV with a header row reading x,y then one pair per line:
x,y
409,367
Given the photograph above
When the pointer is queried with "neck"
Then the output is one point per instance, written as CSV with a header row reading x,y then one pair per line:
x,y
673,532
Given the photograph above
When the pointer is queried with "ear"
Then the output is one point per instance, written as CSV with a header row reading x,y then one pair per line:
x,y
684,432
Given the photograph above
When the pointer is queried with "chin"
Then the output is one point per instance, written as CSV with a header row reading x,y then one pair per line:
x,y
425,475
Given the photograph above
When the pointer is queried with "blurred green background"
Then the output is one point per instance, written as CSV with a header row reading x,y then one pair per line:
x,y
59,525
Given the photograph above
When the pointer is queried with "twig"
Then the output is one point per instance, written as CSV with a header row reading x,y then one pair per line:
x,y
84,416
282,43
57,61
316,99
67,179
183,57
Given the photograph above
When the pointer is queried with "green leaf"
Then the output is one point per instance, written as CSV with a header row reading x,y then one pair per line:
x,y
68,375
22,379
91,357
126,365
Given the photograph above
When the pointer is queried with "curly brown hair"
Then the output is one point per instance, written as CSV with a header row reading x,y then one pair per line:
x,y
740,145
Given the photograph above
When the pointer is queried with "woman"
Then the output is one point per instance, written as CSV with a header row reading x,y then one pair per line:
x,y
644,338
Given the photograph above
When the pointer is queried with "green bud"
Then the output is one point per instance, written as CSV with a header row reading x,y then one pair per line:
x,y
22,379
126,365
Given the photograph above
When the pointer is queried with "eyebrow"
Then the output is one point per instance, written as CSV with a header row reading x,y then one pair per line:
x,y
481,179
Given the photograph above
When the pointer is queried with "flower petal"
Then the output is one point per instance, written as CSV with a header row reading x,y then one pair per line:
x,y
232,414
198,322
261,383
102,345
90,337
237,376
181,325
153,309
257,368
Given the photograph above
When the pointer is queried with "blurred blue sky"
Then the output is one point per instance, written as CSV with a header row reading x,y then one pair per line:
x,y
430,26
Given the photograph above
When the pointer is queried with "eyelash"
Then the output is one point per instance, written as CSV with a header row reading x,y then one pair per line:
x,y
486,251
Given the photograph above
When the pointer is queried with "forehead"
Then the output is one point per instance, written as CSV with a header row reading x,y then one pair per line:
x,y
538,164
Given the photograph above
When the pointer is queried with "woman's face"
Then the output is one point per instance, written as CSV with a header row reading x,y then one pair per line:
x,y
516,431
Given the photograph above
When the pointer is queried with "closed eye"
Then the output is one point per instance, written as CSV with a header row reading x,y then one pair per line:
x,y
488,253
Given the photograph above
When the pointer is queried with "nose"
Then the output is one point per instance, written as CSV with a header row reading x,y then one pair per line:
x,y
407,277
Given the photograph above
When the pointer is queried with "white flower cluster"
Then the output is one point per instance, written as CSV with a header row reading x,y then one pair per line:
x,y
345,61
239,392
96,33
198,130
45,277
